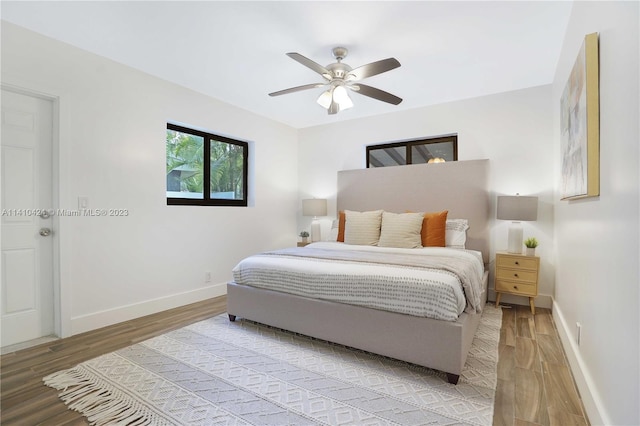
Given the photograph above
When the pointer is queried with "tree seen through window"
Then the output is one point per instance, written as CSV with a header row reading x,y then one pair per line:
x,y
204,168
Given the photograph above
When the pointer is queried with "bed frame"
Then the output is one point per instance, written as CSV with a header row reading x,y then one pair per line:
x,y
461,188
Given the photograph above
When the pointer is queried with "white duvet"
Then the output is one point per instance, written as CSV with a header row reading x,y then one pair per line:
x,y
418,289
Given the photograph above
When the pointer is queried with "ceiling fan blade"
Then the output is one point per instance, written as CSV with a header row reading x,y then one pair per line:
x,y
374,93
296,89
310,64
374,68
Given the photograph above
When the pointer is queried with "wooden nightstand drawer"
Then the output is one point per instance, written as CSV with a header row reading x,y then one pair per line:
x,y
517,275
520,262
514,287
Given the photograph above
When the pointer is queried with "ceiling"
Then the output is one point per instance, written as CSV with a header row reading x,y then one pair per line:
x,y
235,51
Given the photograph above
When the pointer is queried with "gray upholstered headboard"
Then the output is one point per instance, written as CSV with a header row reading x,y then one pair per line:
x,y
461,187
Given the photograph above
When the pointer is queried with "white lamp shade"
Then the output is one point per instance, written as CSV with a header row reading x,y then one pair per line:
x,y
325,99
341,96
314,207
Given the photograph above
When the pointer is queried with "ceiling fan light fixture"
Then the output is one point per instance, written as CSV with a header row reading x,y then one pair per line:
x,y
325,99
341,97
340,77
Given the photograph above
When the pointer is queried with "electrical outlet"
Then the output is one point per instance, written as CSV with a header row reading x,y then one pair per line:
x,y
578,332
207,277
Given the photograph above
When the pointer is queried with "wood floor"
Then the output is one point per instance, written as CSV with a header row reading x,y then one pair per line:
x,y
535,385
26,401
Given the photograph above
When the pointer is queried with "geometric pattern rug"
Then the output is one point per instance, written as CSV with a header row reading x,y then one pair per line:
x,y
243,373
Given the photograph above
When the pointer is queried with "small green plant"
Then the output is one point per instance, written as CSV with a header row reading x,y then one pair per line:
x,y
531,242
304,234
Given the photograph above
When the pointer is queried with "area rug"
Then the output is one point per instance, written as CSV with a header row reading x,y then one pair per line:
x,y
243,373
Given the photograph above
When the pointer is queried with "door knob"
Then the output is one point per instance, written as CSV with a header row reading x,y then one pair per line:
x,y
45,232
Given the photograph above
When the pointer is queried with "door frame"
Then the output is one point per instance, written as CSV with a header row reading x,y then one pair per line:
x,y
61,311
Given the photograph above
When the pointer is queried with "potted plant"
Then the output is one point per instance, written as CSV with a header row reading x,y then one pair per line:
x,y
304,235
531,244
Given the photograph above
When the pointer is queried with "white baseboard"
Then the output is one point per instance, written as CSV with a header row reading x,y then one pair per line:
x,y
588,392
100,319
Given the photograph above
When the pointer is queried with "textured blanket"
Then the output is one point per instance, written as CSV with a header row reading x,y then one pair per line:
x,y
462,267
242,373
439,283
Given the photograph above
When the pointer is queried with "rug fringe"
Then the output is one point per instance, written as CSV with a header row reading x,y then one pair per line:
x,y
100,403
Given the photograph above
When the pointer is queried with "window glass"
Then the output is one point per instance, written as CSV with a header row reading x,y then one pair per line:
x,y
227,165
185,155
391,156
420,151
205,169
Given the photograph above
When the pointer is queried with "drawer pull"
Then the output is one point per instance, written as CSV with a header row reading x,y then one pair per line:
x,y
517,263
515,275
515,287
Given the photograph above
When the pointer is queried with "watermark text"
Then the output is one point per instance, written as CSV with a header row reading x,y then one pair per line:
x,y
45,213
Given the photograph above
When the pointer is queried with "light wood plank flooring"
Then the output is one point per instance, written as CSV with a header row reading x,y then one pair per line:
x,y
26,401
535,385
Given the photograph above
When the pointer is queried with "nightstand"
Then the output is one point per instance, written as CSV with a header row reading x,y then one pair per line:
x,y
517,274
301,244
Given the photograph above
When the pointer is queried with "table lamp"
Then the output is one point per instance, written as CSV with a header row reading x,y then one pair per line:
x,y
516,209
315,207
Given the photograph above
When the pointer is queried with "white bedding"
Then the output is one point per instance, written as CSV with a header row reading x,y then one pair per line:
x,y
414,290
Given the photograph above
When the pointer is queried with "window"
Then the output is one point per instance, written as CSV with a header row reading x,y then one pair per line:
x,y
413,152
205,169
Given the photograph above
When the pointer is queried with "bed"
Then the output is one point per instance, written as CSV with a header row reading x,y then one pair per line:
x,y
439,341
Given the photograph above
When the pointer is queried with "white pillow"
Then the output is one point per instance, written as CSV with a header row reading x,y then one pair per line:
x,y
456,233
401,230
362,228
333,235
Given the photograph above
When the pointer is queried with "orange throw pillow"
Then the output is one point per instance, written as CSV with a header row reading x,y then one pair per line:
x,y
434,226
342,218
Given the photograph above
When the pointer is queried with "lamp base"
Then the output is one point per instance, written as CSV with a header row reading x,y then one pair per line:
x,y
316,232
515,238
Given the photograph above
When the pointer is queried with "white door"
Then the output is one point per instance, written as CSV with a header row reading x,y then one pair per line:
x,y
27,256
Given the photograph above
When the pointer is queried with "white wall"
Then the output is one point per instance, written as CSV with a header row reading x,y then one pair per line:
x,y
512,130
597,275
111,142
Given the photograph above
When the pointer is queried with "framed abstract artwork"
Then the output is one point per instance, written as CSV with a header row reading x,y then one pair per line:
x,y
580,125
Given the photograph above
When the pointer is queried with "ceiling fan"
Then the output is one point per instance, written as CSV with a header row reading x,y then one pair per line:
x,y
339,77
